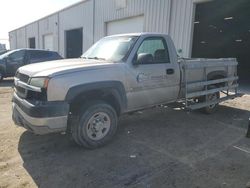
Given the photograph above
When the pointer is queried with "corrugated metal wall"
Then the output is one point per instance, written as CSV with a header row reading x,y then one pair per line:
x,y
106,11
174,17
32,31
47,26
80,16
21,38
181,25
13,40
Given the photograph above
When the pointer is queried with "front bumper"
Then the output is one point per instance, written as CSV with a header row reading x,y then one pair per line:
x,y
40,117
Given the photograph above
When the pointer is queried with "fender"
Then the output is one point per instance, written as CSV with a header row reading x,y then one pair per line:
x,y
115,88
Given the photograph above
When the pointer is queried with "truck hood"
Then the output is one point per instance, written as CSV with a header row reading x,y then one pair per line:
x,y
58,67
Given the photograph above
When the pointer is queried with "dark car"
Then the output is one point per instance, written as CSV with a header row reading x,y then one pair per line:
x,y
12,60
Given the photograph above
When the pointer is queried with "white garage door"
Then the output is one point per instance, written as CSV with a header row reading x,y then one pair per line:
x,y
130,25
48,42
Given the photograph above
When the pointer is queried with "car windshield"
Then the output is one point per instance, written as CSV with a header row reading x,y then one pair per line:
x,y
111,48
7,54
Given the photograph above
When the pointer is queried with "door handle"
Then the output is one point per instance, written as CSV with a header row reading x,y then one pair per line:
x,y
170,71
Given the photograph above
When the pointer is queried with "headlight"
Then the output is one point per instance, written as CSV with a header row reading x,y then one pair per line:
x,y
41,82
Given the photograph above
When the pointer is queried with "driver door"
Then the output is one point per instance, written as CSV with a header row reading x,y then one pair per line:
x,y
14,61
154,79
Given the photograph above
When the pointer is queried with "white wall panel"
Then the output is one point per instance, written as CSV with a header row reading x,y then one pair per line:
x,y
32,31
49,26
13,40
21,38
128,25
181,25
156,14
48,42
80,16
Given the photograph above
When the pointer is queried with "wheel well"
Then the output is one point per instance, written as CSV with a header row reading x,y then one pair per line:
x,y
103,95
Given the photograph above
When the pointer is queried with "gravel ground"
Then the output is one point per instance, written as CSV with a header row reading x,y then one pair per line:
x,y
161,147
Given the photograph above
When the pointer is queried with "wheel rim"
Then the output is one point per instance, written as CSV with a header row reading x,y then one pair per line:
x,y
98,126
212,97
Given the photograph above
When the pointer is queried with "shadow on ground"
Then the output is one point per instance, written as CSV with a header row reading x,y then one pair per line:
x,y
244,86
155,148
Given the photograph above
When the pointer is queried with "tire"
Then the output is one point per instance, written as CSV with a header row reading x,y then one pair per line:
x,y
212,108
96,125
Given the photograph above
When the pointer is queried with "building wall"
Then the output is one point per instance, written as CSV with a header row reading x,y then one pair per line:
x,y
80,16
174,17
32,31
13,40
181,25
47,26
21,38
108,10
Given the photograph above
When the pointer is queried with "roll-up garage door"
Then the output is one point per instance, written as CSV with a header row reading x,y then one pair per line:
x,y
48,42
129,25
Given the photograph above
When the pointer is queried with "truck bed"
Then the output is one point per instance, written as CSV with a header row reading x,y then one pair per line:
x,y
199,74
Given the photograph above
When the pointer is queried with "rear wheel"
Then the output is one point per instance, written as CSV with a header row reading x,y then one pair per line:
x,y
211,97
96,125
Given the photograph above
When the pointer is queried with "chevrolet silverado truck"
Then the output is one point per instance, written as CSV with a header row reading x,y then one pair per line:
x,y
119,74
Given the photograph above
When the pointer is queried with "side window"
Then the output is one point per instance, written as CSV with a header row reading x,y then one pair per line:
x,y
17,56
54,55
33,56
45,55
37,56
153,50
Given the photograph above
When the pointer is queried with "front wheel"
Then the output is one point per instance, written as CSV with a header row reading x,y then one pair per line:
x,y
96,126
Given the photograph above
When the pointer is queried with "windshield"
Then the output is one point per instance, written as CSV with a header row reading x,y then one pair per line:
x,y
111,48
7,54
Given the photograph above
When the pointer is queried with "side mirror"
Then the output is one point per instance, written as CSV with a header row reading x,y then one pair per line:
x,y
179,52
143,58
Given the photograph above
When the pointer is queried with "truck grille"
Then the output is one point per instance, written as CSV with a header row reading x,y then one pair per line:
x,y
28,94
20,89
22,77
21,92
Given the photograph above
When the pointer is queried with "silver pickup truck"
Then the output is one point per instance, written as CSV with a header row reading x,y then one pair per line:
x,y
119,74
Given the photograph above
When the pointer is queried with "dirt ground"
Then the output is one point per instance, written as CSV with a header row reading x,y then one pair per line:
x,y
161,147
